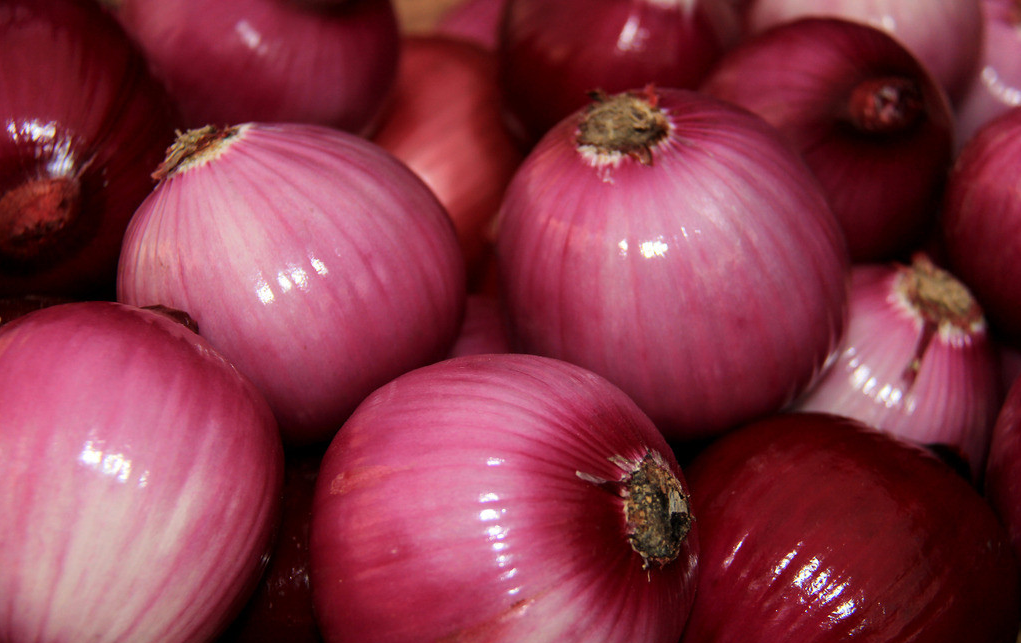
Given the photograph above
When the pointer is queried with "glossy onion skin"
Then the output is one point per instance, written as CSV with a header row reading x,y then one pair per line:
x,y
450,507
269,60
799,76
981,221
77,101
951,399
818,529
320,265
139,481
710,285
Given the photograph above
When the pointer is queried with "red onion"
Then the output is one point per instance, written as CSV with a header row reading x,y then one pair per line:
x,y
870,121
501,498
484,329
553,54
917,360
316,262
84,123
923,26
269,60
692,260
817,528
1003,469
444,122
997,85
141,476
477,21
981,220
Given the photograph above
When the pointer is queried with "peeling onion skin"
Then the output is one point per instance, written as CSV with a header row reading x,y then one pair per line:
x,y
319,264
981,221
710,284
269,60
921,25
818,529
931,376
460,502
139,482
871,122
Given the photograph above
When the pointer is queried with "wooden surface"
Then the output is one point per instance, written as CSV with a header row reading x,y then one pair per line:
x,y
417,16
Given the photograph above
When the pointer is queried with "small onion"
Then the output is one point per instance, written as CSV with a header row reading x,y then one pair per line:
x,y
981,221
316,262
917,361
870,121
693,260
818,529
501,498
139,482
269,60
922,26
83,123
553,54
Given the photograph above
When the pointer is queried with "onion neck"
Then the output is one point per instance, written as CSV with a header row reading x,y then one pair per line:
x,y
629,123
35,217
886,105
194,147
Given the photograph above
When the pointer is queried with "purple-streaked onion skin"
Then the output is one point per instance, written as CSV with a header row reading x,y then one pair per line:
x,y
553,54
819,529
83,125
917,361
819,81
997,85
269,60
981,221
921,25
706,275
477,500
1003,468
139,482
319,264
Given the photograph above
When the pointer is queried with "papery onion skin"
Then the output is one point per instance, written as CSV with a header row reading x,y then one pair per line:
x,y
917,361
920,25
710,284
83,121
140,479
320,265
981,221
269,60
553,54
869,119
818,529
444,123
462,502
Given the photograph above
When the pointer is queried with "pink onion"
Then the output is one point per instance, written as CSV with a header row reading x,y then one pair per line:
x,y
817,528
444,122
83,125
269,60
917,360
501,498
945,35
316,262
997,85
870,121
553,54
692,260
139,481
981,221
477,21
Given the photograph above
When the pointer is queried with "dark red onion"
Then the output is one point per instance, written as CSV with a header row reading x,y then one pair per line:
x,y
315,261
84,124
1003,469
818,529
227,63
141,476
869,119
981,220
693,260
501,498
553,54
444,122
